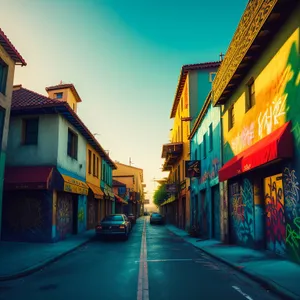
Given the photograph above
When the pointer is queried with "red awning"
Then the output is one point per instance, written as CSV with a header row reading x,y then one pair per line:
x,y
27,178
276,145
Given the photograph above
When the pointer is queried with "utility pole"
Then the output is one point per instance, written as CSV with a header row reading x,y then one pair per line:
x,y
130,161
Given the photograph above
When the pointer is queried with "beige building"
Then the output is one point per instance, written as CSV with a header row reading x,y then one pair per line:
x,y
133,178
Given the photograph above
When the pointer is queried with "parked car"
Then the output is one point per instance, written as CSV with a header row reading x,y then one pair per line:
x,y
157,218
114,225
132,218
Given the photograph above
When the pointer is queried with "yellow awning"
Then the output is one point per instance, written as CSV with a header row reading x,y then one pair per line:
x,y
98,194
75,186
169,200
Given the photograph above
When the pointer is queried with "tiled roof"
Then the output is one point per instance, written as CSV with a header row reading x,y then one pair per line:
x,y
183,74
26,101
65,86
26,98
11,50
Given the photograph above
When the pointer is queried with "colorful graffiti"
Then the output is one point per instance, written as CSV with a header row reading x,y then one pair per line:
x,y
275,218
64,216
211,170
243,139
241,207
204,225
292,212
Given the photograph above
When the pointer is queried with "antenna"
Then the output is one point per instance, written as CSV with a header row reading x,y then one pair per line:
x,y
221,56
130,161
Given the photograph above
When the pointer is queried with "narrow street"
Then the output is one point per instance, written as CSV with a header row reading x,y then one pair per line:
x,y
109,270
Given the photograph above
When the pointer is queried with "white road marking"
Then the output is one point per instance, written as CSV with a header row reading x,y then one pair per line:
x,y
143,282
161,260
241,292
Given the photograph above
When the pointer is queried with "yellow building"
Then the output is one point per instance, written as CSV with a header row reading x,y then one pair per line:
x,y
133,178
257,87
95,199
192,89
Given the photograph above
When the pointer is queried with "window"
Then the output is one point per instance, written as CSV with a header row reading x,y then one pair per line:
x,y
97,167
113,218
230,117
90,162
3,76
104,173
210,137
72,144
30,131
58,95
204,145
94,164
250,95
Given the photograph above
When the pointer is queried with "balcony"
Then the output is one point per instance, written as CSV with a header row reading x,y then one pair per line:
x,y
172,153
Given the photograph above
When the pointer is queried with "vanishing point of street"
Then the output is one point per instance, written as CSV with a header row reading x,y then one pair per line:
x,y
112,269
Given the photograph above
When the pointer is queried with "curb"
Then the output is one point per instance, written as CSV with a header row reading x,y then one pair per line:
x,y
42,265
266,284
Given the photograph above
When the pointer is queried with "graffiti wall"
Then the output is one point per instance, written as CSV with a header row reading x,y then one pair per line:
x,y
241,213
64,215
275,219
27,216
292,213
204,215
82,213
92,212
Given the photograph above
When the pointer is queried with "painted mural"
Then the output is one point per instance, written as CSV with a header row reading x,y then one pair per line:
x,y
64,216
275,219
204,215
27,216
241,213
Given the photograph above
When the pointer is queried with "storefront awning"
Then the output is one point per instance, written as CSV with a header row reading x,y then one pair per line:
x,y
169,200
120,199
27,178
98,194
276,145
109,194
74,186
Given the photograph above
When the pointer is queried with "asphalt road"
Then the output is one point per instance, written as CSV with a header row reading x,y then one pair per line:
x,y
153,264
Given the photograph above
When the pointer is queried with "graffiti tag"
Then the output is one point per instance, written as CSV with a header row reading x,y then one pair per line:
x,y
270,118
243,139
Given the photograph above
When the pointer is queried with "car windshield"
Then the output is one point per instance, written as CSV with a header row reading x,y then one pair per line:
x,y
113,218
131,215
156,215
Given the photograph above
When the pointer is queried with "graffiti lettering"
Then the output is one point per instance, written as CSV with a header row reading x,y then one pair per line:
x,y
212,172
270,118
243,139
296,131
64,216
293,237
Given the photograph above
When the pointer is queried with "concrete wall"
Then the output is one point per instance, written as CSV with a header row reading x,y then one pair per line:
x,y
46,150
76,166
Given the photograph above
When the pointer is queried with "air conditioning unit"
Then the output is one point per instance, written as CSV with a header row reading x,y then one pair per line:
x,y
212,76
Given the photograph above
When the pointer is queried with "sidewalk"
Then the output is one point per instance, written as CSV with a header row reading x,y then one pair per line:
x,y
21,259
276,274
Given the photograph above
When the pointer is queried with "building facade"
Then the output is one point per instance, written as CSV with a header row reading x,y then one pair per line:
x,y
133,178
192,89
9,57
205,140
257,88
45,187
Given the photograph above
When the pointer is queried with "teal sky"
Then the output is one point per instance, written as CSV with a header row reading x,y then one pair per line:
x,y
124,58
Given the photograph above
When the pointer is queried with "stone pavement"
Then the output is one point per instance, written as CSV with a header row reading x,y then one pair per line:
x,y
21,259
274,273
